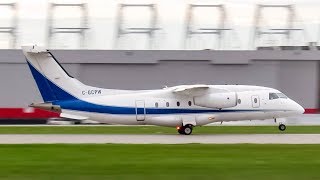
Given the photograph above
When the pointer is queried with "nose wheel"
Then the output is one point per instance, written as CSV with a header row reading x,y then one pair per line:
x,y
282,127
185,130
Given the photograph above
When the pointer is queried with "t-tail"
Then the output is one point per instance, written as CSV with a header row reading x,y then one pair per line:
x,y
53,82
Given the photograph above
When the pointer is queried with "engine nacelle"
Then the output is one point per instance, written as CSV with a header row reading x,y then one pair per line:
x,y
217,100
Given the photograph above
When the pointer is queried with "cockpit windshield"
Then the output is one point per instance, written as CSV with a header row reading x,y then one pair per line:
x,y
277,96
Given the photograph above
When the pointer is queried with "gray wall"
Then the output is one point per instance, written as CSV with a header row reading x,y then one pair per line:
x,y
293,72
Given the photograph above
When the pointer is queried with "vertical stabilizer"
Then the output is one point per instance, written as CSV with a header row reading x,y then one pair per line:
x,y
53,81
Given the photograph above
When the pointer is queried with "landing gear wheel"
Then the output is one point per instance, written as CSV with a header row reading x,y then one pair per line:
x,y
187,129
282,127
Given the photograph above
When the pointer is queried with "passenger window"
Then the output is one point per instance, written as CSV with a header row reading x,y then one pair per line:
x,y
189,103
167,104
156,105
239,101
273,96
178,103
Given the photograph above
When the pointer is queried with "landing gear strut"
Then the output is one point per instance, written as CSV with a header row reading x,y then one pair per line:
x,y
186,130
282,127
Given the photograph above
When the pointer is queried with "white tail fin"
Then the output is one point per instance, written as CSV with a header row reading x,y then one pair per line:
x,y
53,81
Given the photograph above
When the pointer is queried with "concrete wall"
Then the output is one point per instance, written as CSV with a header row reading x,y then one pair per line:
x,y
293,72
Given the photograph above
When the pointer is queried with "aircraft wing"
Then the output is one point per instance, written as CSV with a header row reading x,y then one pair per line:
x,y
191,89
208,96
196,90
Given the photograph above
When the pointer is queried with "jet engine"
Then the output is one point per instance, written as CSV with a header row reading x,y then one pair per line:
x,y
217,100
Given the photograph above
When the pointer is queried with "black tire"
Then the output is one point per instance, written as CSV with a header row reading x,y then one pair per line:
x,y
187,129
181,130
282,127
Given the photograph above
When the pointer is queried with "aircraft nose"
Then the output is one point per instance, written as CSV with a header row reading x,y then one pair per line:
x,y
299,109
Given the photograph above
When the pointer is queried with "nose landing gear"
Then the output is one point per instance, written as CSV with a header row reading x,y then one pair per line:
x,y
282,127
186,130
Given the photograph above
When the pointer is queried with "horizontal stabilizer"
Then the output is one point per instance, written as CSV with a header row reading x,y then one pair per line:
x,y
34,49
46,106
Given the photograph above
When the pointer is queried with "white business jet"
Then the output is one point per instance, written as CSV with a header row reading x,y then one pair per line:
x,y
183,107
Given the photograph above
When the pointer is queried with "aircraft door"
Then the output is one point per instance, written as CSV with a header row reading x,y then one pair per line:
x,y
255,101
140,110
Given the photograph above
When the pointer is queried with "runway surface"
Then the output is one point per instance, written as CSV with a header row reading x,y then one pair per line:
x,y
161,139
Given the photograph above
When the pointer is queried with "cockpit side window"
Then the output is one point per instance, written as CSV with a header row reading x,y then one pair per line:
x,y
273,96
277,96
281,95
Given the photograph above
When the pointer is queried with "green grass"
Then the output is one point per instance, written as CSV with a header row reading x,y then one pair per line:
x,y
155,130
163,162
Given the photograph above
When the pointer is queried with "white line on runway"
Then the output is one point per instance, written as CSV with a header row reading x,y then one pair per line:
x,y
161,139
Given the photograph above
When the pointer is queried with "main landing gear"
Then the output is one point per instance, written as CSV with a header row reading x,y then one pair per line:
x,y
186,130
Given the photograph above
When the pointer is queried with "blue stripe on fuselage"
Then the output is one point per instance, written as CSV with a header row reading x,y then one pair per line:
x,y
80,105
